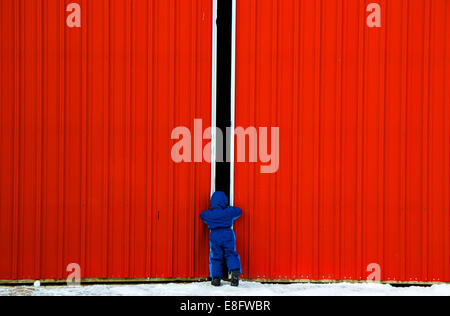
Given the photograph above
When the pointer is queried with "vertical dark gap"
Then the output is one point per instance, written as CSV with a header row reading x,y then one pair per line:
x,y
224,33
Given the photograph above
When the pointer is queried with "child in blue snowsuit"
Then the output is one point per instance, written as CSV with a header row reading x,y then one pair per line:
x,y
222,238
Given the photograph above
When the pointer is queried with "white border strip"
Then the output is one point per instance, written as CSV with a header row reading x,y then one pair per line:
x,y
214,97
233,98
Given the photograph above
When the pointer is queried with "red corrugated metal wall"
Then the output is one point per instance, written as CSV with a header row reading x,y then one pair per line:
x,y
86,174
364,117
86,115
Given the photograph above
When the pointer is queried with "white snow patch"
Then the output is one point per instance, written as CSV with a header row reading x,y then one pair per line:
x,y
246,289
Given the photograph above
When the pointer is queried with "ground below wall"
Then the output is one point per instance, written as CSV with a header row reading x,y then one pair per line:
x,y
246,289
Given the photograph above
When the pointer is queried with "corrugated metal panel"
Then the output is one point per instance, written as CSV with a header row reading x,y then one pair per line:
x,y
86,121
364,117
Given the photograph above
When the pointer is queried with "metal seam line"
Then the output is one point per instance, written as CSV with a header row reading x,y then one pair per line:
x,y
233,97
214,96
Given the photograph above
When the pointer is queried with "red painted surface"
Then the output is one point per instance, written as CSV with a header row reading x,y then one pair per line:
x,y
86,117
364,117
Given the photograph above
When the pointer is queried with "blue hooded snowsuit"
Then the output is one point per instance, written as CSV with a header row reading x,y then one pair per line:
x,y
222,238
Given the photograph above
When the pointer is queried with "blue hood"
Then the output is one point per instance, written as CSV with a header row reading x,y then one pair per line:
x,y
219,200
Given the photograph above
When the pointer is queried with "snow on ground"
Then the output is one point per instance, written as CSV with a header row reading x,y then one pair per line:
x,y
246,289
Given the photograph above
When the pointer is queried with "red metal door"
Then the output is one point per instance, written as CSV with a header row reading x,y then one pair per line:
x,y
364,117
86,120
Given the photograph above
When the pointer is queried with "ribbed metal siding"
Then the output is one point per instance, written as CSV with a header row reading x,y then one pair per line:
x,y
364,117
86,120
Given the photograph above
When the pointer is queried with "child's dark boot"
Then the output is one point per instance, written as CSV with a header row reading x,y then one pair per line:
x,y
215,282
235,277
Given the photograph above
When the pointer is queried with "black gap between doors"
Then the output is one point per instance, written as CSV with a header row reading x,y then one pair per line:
x,y
223,116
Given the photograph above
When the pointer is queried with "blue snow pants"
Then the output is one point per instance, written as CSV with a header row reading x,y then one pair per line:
x,y
223,252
